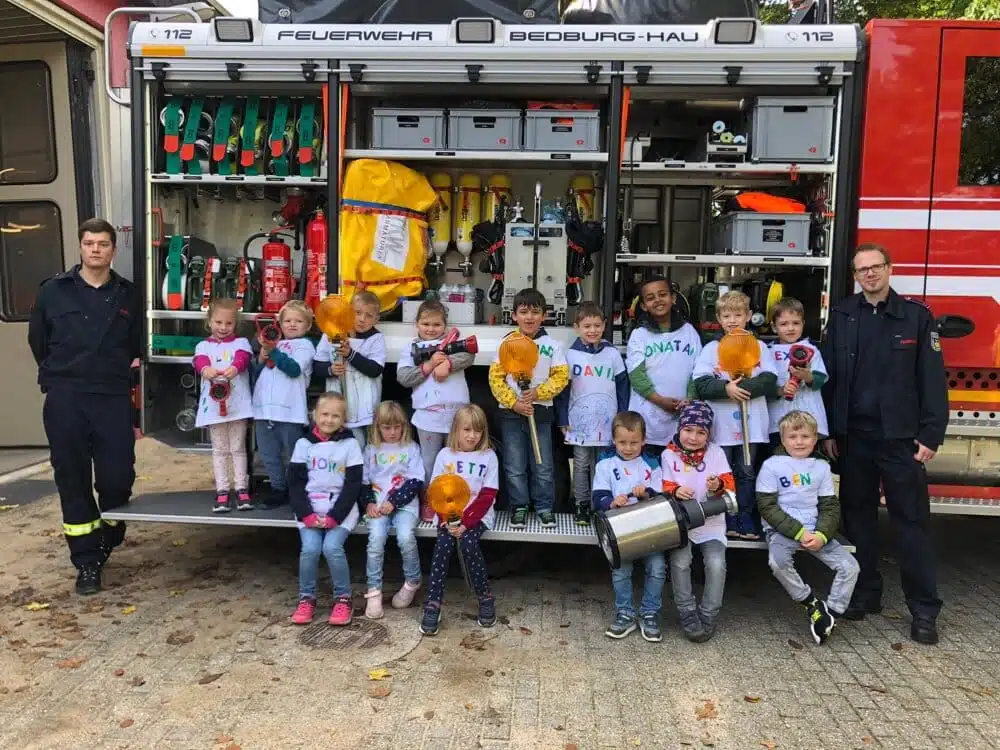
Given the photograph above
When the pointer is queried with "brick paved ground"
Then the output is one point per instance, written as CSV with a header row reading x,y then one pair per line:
x,y
207,661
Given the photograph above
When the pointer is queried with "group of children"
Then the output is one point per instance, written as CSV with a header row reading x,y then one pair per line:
x,y
665,420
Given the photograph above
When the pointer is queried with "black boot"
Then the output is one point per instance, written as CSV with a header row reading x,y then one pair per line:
x,y
88,580
112,537
581,514
276,499
924,631
857,610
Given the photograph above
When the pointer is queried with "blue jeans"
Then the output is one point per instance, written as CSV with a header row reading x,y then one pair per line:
x,y
652,590
275,443
745,520
329,543
404,521
519,458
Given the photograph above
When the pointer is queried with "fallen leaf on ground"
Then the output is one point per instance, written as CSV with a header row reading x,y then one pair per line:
x,y
137,681
177,592
223,739
866,740
72,663
873,688
524,630
232,746
636,742
180,542
707,741
706,710
769,744
179,638
380,691
379,674
794,644
119,673
751,698
8,507
488,673
473,642
897,646
570,746
209,678
128,610
126,723
982,692
428,715
468,706
35,606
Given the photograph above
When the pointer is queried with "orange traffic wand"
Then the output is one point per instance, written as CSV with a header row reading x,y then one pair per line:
x,y
335,318
739,354
518,357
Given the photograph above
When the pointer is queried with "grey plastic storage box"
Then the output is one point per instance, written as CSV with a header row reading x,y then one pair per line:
x,y
751,233
408,128
562,130
792,129
484,129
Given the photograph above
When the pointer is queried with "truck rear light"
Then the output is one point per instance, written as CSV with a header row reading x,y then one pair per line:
x,y
735,31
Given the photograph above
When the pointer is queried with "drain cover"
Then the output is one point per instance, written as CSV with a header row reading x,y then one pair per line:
x,y
360,634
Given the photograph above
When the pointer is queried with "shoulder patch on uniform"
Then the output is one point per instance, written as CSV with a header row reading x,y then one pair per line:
x,y
935,341
920,302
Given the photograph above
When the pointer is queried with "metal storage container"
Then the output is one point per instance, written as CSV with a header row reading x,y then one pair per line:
x,y
751,233
562,130
484,129
792,129
408,128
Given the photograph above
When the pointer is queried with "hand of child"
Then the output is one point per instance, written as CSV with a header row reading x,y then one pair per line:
x,y
438,357
811,541
639,491
457,531
524,408
265,346
209,373
372,511
790,389
684,493
386,508
565,431
442,372
328,522
713,484
736,393
530,395
338,368
667,403
619,502
802,373
230,372
345,348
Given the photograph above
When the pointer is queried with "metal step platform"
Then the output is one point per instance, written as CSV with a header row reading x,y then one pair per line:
x,y
966,506
195,508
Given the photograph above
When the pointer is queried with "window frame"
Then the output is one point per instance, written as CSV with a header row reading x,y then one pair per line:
x,y
50,104
7,314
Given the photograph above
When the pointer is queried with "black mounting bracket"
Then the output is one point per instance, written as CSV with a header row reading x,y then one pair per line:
x,y
825,74
642,74
357,71
593,73
309,71
733,74
159,70
473,72
234,70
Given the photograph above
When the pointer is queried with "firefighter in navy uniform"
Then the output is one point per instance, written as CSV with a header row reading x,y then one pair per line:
x,y
887,402
85,336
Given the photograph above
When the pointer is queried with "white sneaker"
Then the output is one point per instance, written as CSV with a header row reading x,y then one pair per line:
x,y
373,605
404,597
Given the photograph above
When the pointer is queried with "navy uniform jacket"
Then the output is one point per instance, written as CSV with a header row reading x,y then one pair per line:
x,y
912,389
84,339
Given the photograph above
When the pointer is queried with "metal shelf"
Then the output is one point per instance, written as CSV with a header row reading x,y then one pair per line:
x,y
549,158
239,179
717,174
166,359
653,259
194,315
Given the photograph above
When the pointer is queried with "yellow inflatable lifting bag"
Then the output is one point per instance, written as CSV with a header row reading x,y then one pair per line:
x,y
384,242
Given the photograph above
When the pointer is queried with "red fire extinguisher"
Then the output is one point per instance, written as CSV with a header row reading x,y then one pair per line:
x,y
276,258
316,238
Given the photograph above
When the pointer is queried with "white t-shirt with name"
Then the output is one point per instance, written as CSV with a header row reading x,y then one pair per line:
x,y
388,466
620,477
593,395
363,393
806,398
478,468
326,462
279,398
434,403
670,358
550,354
728,429
799,483
239,404
675,471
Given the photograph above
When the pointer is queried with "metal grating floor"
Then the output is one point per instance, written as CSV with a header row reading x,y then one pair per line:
x,y
966,506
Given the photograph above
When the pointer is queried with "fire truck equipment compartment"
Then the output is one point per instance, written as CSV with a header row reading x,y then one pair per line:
x,y
484,129
792,129
562,130
752,233
408,128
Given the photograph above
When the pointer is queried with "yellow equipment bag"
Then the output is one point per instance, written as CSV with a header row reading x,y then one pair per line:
x,y
384,242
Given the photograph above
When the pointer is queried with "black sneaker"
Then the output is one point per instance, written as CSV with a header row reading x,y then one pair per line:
x,y
709,625
88,580
548,519
487,612
581,514
821,622
430,623
649,627
857,610
276,499
692,627
519,517
623,625
221,504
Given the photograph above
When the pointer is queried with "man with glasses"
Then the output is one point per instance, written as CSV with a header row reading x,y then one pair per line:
x,y
887,402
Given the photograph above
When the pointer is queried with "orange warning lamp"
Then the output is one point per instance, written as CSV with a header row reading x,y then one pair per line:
x,y
335,317
448,495
739,354
518,356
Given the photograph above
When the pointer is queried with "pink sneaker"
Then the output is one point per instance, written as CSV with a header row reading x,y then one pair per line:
x,y
303,614
404,597
342,611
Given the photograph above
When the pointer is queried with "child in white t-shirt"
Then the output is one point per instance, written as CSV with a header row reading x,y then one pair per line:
x,y
360,359
394,479
798,386
693,469
279,396
438,383
598,389
467,455
796,498
714,385
626,477
222,362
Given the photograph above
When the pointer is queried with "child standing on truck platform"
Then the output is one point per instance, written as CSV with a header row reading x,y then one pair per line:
x,y
225,357
324,486
549,378
598,390
438,383
393,482
713,385
279,396
361,362
469,456
796,498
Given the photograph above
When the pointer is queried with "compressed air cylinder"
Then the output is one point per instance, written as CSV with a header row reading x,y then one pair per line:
x,y
583,195
441,220
467,211
497,191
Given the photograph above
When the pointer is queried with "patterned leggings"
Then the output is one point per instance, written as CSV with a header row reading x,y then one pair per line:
x,y
229,443
475,564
